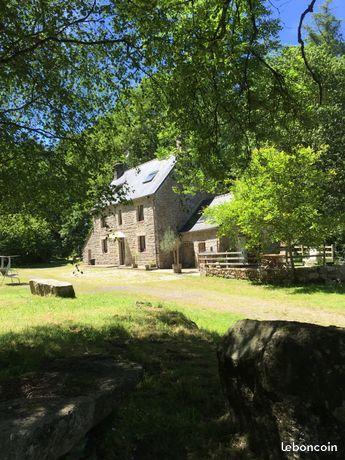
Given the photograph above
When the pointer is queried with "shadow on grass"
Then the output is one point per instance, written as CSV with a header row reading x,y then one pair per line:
x,y
15,284
308,288
177,410
49,264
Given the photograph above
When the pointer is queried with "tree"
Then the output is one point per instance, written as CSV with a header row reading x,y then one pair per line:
x,y
27,236
315,125
171,243
278,199
212,75
64,64
61,64
326,30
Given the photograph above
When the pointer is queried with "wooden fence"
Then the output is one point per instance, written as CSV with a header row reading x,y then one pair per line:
x,y
241,258
303,253
222,259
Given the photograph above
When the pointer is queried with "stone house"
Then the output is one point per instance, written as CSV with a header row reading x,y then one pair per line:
x,y
131,232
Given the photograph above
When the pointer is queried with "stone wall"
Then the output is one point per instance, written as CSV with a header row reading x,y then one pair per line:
x,y
213,243
304,275
163,210
209,237
172,210
132,229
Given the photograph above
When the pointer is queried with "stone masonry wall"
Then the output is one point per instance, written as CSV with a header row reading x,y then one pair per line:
x,y
132,229
304,275
209,237
213,243
172,210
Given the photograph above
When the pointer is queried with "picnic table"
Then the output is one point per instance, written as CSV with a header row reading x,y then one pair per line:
x,y
6,269
273,260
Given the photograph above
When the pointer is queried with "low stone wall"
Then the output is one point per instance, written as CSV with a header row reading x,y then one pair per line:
x,y
328,274
44,414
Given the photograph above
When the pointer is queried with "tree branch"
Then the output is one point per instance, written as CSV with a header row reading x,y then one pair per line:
x,y
313,74
39,131
56,37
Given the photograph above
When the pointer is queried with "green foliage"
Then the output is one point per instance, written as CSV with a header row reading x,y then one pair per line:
x,y
27,236
56,60
279,198
170,241
327,30
212,75
314,125
60,186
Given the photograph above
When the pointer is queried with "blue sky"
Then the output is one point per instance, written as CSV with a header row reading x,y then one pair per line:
x,y
290,12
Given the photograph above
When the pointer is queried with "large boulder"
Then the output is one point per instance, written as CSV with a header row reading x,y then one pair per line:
x,y
44,287
44,415
285,383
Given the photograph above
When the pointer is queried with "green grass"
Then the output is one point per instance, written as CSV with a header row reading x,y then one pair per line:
x,y
313,296
178,410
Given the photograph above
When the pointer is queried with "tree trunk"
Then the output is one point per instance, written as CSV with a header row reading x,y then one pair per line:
x,y
177,256
290,252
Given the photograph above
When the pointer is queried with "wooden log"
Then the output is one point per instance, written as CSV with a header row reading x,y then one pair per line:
x,y
45,287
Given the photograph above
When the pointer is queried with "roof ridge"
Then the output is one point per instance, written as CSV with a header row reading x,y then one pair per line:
x,y
223,194
149,161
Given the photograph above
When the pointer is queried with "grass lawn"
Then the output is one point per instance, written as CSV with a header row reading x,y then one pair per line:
x,y
168,323
178,408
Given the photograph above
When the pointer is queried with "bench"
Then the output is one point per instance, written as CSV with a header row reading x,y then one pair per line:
x,y
45,287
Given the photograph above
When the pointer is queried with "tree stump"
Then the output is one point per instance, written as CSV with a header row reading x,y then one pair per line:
x,y
45,287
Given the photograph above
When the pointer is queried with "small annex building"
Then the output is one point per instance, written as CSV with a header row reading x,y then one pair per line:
x,y
199,236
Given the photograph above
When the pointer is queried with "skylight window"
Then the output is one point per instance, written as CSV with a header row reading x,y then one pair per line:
x,y
150,177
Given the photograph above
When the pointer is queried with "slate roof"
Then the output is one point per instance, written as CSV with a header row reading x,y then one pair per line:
x,y
134,179
197,222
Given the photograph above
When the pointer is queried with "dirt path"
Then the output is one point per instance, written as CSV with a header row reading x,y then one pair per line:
x,y
245,306
188,290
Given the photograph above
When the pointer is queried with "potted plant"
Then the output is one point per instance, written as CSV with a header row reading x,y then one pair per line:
x,y
134,263
151,265
171,244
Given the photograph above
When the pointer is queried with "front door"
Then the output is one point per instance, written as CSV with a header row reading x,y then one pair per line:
x,y
122,251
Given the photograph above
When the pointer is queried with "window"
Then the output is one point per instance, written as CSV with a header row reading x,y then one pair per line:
x,y
140,212
202,247
142,243
119,217
105,246
150,177
103,221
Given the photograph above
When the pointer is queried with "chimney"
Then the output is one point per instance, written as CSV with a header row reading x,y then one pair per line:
x,y
120,168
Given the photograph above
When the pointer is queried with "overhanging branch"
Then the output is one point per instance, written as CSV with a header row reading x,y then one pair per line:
x,y
309,9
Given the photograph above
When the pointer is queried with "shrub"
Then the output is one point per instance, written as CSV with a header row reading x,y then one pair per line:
x,y
25,235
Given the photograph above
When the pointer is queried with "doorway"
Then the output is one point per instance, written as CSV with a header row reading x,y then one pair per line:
x,y
122,251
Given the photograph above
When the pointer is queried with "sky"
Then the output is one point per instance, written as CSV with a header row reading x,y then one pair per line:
x,y
290,11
